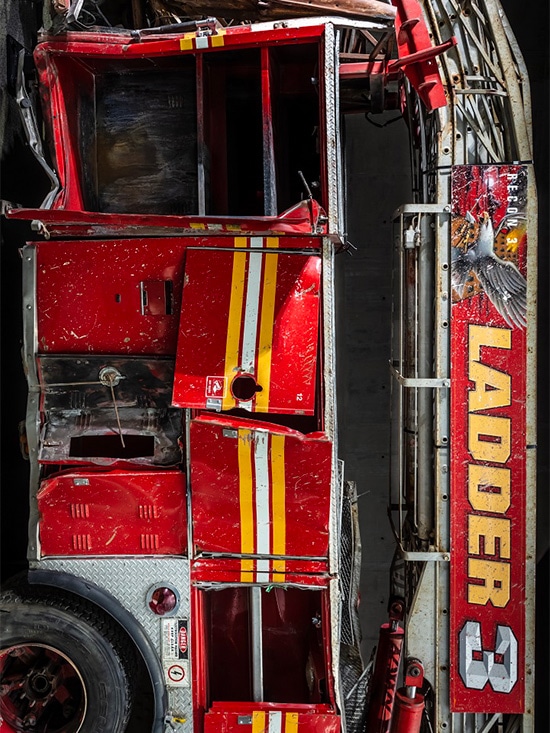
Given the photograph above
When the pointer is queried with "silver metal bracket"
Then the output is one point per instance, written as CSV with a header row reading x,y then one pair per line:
x,y
424,556
421,209
429,383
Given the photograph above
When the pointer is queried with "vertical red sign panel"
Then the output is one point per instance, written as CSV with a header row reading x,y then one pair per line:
x,y
488,451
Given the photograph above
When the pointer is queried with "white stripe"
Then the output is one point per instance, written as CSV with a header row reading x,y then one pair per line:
x,y
201,42
263,535
275,721
252,307
262,571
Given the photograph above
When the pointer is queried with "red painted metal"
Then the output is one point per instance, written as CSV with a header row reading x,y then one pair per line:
x,y
90,296
297,656
362,69
384,678
246,474
287,718
113,513
127,45
249,330
302,219
488,451
425,54
408,707
306,573
5,727
407,712
199,670
124,296
295,643
392,69
414,674
64,83
236,301
416,57
413,40
233,706
269,174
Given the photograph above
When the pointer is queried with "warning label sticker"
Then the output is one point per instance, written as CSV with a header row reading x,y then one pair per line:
x,y
216,386
175,652
176,674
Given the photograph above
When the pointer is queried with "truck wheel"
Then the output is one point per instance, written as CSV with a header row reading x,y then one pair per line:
x,y
59,670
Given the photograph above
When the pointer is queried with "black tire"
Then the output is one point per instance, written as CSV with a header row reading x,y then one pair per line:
x,y
68,657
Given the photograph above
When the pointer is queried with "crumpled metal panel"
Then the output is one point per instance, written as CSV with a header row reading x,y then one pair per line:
x,y
60,437
208,572
305,217
260,490
85,413
72,382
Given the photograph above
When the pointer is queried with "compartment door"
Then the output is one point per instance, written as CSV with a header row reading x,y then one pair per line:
x,y
113,513
249,329
276,719
260,492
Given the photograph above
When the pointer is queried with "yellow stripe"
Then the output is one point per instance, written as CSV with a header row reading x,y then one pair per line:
x,y
266,327
291,722
234,319
278,504
186,42
246,501
218,40
258,721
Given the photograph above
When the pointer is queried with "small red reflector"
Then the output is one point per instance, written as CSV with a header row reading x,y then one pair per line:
x,y
163,600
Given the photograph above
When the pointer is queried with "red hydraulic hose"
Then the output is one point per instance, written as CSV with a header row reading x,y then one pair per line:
x,y
384,678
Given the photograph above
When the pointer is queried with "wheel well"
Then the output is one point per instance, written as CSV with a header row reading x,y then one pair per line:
x,y
39,583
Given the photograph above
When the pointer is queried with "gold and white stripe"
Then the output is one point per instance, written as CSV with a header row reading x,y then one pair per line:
x,y
262,504
272,721
193,41
249,348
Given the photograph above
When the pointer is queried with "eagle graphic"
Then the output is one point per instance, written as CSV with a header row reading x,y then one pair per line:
x,y
473,257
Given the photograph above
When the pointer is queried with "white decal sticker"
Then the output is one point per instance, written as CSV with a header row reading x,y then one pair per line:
x,y
175,652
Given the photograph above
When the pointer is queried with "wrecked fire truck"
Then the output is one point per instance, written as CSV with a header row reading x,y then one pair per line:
x,y
193,542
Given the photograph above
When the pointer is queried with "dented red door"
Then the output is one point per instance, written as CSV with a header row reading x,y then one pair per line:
x,y
260,490
249,329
